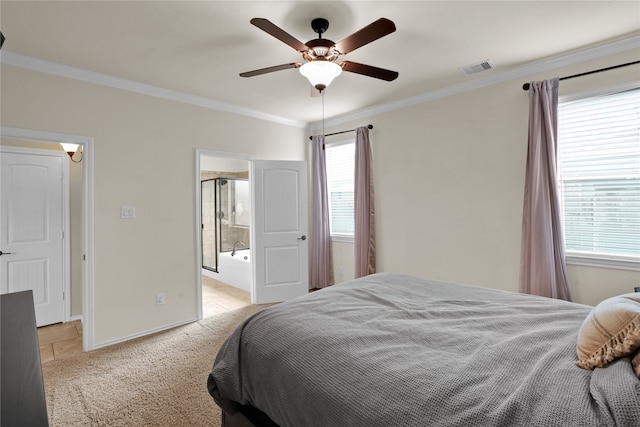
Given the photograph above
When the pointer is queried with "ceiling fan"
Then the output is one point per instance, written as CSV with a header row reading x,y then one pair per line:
x,y
320,53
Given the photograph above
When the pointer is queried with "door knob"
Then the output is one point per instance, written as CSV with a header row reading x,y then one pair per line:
x,y
9,253
302,238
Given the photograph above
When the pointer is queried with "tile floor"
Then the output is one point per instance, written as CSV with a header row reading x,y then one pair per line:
x,y
65,339
60,340
218,297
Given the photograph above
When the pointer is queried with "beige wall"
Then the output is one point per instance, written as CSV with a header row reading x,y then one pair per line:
x,y
144,151
449,179
343,261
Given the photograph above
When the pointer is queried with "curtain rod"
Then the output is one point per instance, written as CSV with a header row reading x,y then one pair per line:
x,y
526,85
344,131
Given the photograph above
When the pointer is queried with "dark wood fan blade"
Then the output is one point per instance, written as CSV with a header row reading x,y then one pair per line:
x,y
371,32
277,32
368,70
270,69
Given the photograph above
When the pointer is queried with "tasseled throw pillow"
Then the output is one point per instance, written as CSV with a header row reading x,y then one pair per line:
x,y
609,332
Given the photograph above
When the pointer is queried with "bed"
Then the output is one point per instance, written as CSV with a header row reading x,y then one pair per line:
x,y
397,350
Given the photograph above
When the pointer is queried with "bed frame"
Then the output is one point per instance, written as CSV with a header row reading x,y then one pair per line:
x,y
247,416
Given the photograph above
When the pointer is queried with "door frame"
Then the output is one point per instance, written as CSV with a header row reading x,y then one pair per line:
x,y
87,217
66,222
198,223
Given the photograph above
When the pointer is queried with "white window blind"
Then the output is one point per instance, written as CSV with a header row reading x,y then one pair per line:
x,y
599,171
340,160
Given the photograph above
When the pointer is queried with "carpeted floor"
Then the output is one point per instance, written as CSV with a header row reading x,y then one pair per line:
x,y
159,380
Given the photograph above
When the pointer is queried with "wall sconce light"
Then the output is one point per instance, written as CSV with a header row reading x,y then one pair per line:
x,y
320,73
71,149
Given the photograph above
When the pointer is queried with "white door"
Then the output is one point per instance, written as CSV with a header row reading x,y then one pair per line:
x,y
279,237
31,238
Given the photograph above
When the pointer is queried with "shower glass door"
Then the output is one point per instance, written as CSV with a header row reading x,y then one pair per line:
x,y
225,212
209,228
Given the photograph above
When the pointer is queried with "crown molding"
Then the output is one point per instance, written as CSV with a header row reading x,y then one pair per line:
x,y
40,65
537,67
48,67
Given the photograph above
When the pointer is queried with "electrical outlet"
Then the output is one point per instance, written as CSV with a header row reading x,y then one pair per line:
x,y
159,299
341,271
127,212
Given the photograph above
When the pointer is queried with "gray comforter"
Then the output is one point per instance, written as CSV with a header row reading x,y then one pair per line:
x,y
397,350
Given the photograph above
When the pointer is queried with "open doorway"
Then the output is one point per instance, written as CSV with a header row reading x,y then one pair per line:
x,y
80,274
277,261
224,218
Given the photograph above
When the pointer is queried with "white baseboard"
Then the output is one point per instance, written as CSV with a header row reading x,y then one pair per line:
x,y
74,318
142,334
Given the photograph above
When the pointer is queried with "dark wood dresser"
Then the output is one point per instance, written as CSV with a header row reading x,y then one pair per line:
x,y
22,399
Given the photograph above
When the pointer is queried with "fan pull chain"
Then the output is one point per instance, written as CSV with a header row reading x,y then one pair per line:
x,y
322,93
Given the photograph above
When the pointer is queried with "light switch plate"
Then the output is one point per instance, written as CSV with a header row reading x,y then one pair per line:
x,y
127,212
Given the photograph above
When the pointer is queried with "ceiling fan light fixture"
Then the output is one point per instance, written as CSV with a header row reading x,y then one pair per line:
x,y
320,73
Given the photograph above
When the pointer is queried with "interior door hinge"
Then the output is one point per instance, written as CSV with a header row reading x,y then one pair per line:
x,y
62,235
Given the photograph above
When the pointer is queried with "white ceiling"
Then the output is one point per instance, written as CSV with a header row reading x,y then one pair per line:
x,y
199,47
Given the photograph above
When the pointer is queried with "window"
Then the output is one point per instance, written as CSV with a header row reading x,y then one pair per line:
x,y
340,159
599,178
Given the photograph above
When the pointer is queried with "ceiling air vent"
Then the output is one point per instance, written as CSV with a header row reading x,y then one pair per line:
x,y
477,68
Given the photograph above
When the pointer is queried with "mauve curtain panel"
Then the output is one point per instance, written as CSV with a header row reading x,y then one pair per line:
x,y
321,268
542,263
364,230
